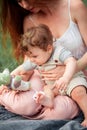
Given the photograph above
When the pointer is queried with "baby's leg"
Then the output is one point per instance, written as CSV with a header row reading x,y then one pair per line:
x,y
79,94
36,82
45,98
21,102
64,108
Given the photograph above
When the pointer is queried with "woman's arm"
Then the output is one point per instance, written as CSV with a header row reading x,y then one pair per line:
x,y
79,14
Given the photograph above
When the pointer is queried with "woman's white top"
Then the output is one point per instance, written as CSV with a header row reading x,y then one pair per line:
x,y
72,39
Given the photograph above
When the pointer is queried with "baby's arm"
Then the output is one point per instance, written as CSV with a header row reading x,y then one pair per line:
x,y
25,70
18,70
70,70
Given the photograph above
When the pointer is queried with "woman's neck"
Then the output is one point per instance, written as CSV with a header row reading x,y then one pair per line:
x,y
49,8
52,7
51,12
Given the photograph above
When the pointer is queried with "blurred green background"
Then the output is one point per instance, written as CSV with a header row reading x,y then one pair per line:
x,y
6,58
85,1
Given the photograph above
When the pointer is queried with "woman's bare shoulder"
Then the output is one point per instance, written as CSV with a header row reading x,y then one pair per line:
x,y
77,5
78,9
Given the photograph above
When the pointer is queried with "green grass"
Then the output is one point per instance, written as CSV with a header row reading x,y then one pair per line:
x,y
6,58
85,1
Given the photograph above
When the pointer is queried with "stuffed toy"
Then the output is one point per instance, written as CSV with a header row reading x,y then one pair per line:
x,y
13,82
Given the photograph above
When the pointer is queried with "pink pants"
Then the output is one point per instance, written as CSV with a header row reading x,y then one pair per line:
x,y
22,102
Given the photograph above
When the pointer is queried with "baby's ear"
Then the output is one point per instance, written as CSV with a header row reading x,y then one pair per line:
x,y
50,48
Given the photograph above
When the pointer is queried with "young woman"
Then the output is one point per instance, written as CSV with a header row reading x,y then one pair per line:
x,y
66,19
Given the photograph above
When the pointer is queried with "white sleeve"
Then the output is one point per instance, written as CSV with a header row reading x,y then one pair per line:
x,y
28,65
61,54
64,54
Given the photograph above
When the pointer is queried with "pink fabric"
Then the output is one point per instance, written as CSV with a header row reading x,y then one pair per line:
x,y
64,108
22,103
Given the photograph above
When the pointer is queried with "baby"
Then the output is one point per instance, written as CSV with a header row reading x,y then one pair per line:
x,y
37,44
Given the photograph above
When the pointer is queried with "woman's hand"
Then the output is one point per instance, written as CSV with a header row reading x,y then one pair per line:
x,y
53,74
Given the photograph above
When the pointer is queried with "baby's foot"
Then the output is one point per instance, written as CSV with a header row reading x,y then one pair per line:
x,y
84,123
41,98
38,95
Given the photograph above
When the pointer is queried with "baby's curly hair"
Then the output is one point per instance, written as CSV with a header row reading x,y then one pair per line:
x,y
39,36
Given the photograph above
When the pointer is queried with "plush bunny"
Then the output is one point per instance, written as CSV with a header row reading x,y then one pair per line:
x,y
15,83
5,77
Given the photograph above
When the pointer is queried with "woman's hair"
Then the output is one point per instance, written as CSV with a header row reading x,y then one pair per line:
x,y
12,16
39,36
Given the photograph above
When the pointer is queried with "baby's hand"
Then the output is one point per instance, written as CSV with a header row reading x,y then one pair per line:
x,y
61,84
